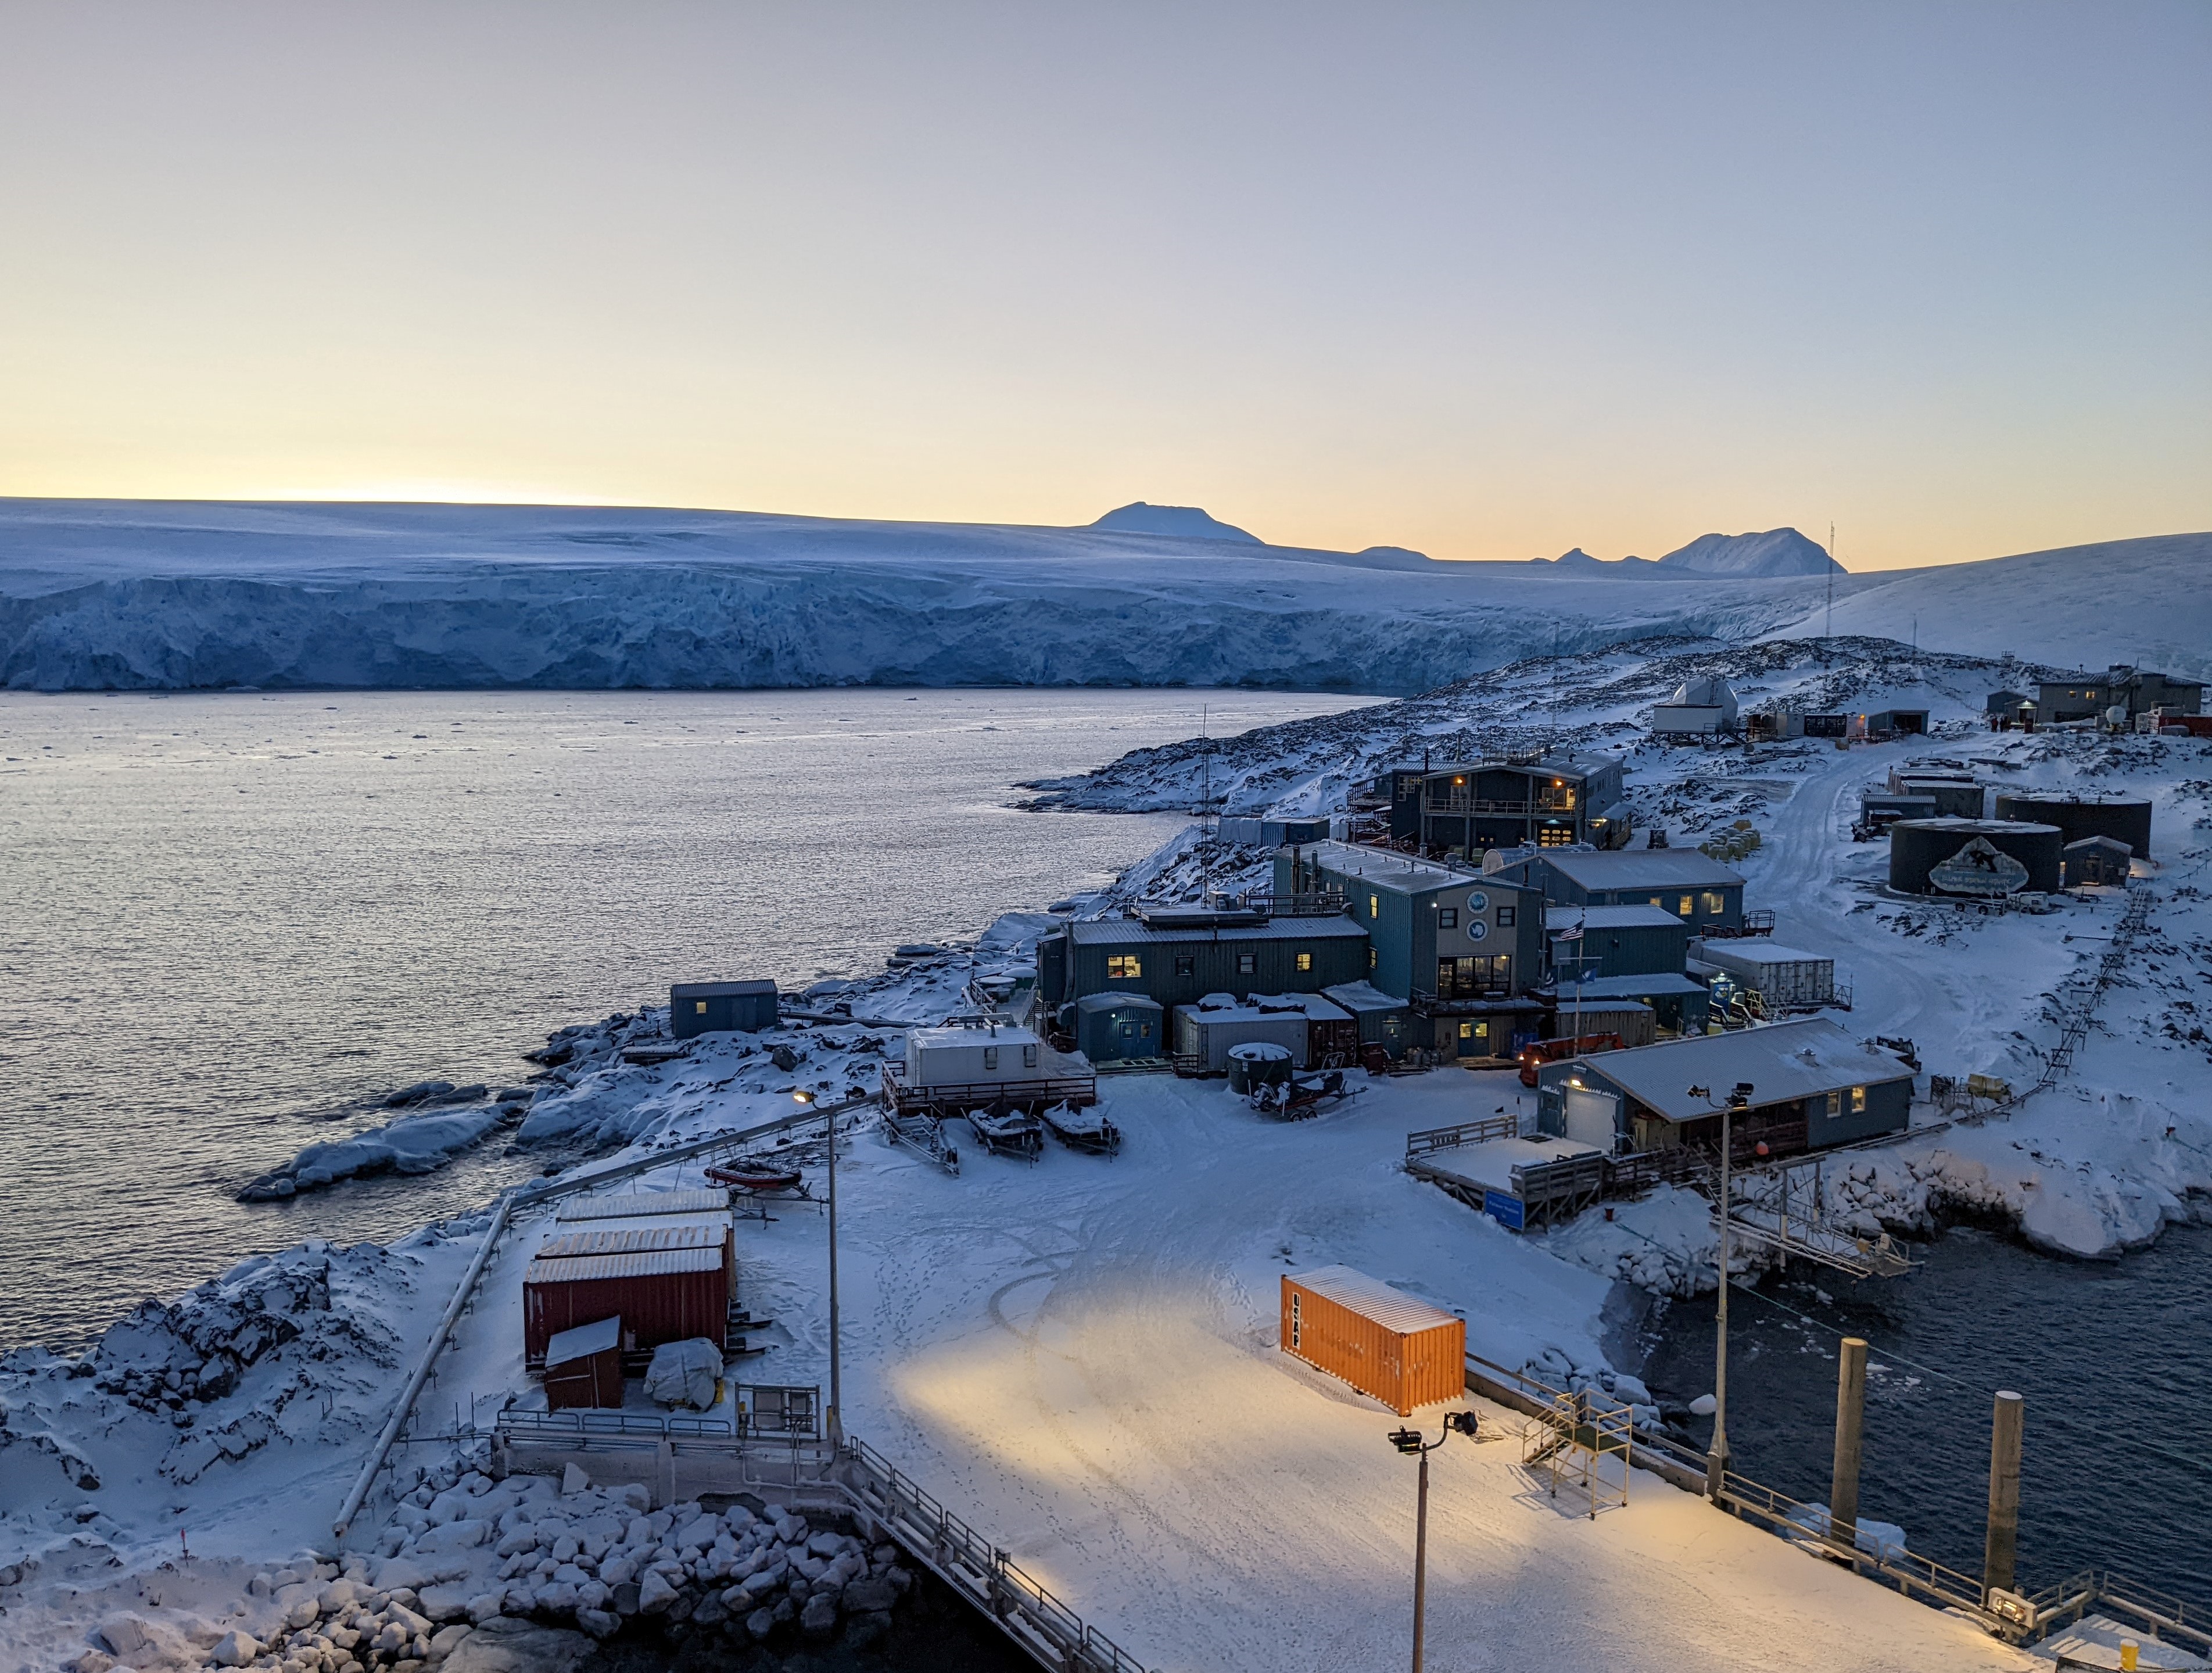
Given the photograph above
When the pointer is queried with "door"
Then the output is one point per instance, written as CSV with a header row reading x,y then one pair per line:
x,y
1590,1117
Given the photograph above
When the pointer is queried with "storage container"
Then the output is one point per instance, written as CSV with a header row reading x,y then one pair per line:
x,y
1403,1351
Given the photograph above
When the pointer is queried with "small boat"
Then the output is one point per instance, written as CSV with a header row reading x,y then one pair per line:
x,y
1084,1129
756,1177
1011,1132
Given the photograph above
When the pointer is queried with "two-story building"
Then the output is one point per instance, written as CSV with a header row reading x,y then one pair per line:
x,y
1464,951
2085,696
1177,955
1606,955
1699,890
1466,809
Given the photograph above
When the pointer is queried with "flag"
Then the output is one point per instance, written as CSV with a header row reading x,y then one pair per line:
x,y
1572,933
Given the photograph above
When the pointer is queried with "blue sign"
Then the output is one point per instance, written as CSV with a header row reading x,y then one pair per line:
x,y
1505,1210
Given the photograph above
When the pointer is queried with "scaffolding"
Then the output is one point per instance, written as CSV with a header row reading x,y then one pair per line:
x,y
1570,1442
1786,1208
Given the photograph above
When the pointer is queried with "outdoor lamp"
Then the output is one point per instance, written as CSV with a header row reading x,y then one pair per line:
x,y
803,1096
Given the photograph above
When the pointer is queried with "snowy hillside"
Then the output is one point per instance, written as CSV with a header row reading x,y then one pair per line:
x,y
1186,520
2148,602
147,596
1774,553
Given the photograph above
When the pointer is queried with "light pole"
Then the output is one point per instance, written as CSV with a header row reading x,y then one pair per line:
x,y
836,1384
1716,1456
1409,1442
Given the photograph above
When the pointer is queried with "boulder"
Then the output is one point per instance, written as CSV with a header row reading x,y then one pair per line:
x,y
862,1630
654,1594
505,1644
452,1536
574,1480
123,1634
401,1574
598,1623
447,1639
484,1605
819,1617
761,1622
235,1649
869,1596
449,1602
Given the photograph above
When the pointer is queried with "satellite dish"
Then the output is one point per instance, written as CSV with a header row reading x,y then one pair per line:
x,y
1980,869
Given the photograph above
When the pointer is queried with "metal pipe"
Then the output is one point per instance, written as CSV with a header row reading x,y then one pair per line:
x,y
1850,1419
414,1388
1716,1456
1421,1560
2002,1541
837,1383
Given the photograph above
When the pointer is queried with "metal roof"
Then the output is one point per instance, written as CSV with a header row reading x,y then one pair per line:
x,y
1617,918
1758,952
693,1236
1128,932
1312,1007
2111,843
1784,1061
1628,987
1091,1003
1372,1299
719,990
1399,873
583,1341
1634,869
645,1263
1558,766
637,1205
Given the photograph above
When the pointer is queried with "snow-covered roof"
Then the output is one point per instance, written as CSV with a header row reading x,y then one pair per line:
x,y
1633,868
1627,987
583,1341
1619,917
960,1034
1271,1006
2113,843
1759,953
1489,1166
636,1205
1130,932
1783,1061
1095,1002
630,1240
1360,997
641,1263
1372,1299
1703,694
1398,874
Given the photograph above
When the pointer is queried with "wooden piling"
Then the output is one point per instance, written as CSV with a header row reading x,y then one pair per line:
x,y
2004,1538
1850,1420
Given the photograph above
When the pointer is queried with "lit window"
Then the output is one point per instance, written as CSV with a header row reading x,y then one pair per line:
x,y
1688,905
1858,1100
1306,961
1374,906
1467,1031
1714,904
1123,966
1448,918
990,1057
699,1007
1374,957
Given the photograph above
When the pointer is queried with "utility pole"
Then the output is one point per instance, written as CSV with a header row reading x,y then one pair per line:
x,y
1716,1456
1828,623
835,1414
1409,1441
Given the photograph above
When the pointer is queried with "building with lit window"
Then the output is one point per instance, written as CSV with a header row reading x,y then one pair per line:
x,y
1178,955
1699,890
1463,810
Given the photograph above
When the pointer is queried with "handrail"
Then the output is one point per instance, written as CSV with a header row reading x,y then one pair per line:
x,y
1431,1139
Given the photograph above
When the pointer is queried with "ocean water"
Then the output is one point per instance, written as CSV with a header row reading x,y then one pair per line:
x,y
2112,1358
228,924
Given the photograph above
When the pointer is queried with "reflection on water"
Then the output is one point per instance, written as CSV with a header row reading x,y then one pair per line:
x,y
227,921
2114,1360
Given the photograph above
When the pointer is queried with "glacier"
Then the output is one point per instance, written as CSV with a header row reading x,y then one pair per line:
x,y
166,596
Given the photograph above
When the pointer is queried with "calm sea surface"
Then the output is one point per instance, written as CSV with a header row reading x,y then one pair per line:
x,y
2114,1358
227,921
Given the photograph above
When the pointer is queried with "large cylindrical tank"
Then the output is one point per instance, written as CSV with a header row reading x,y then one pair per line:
x,y
1916,847
2122,819
1256,1063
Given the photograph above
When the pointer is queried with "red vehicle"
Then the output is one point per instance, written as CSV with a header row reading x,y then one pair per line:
x,y
1537,1053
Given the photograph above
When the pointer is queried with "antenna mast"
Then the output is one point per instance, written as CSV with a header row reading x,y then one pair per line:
x,y
1828,625
1205,807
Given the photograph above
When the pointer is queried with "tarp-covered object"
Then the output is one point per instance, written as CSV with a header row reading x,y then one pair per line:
x,y
684,1374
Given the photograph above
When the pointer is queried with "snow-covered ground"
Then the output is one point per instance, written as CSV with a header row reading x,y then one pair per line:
x,y
1079,1355
143,595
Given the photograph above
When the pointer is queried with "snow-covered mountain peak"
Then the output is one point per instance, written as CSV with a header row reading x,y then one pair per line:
x,y
1776,552
1187,521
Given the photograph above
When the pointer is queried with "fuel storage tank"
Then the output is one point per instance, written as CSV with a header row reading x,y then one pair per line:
x,y
2123,819
1919,847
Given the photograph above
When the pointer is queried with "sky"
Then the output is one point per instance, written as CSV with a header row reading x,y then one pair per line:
x,y
1488,282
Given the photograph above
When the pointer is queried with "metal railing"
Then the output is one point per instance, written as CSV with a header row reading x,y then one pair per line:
x,y
1077,1089
1026,1612
1431,1139
2166,1615
586,1425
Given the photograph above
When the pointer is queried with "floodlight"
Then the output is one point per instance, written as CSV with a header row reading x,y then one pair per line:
x,y
802,1095
1462,1423
1408,1441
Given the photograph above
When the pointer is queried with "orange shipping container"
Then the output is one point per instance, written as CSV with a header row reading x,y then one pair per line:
x,y
1404,1352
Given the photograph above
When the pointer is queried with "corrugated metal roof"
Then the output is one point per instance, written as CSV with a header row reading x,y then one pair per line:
x,y
1759,954
1635,868
697,1235
1128,932
646,1264
1627,987
637,1205
1312,1007
1611,918
719,990
1397,873
1364,998
1372,1299
1095,1002
1784,1061
583,1341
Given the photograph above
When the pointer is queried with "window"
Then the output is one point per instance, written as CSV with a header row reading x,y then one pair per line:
x,y
1685,909
1448,917
1659,901
1714,904
1185,964
1858,1100
990,1057
1248,964
699,1007
1029,1056
1306,961
1128,1030
1374,906
1123,967
1835,1104
1374,957
1467,1031
1505,917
